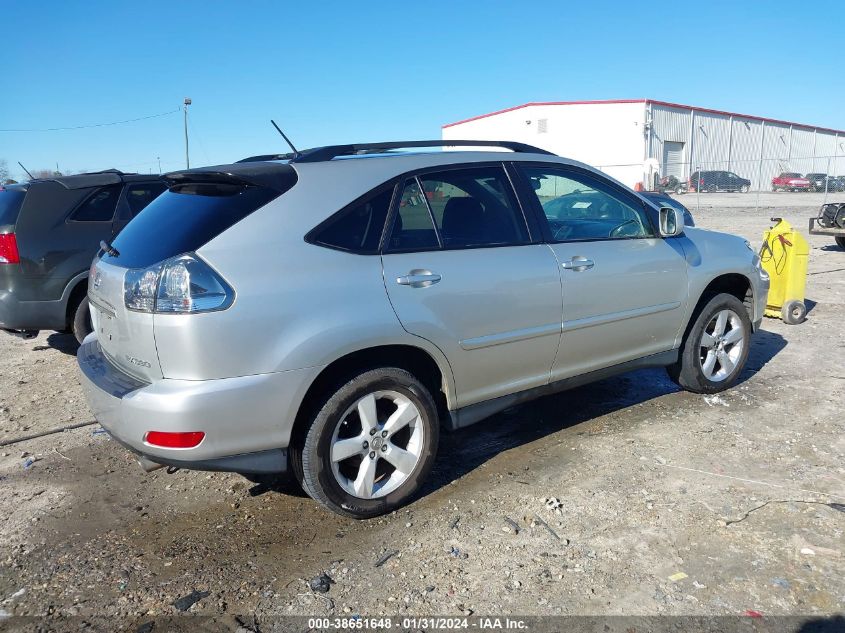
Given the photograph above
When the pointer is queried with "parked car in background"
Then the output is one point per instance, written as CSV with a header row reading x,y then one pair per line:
x,y
840,184
326,312
50,231
712,181
790,181
663,200
822,182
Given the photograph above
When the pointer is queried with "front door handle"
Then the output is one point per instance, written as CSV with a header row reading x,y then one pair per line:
x,y
418,278
578,264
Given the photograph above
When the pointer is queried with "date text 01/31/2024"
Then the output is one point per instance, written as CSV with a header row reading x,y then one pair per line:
x,y
416,623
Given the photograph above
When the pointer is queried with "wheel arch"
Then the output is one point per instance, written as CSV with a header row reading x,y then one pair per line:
x,y
733,283
434,372
74,291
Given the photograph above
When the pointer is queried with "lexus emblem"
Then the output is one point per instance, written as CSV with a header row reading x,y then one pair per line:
x,y
97,280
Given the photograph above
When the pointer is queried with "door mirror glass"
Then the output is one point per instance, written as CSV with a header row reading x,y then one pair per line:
x,y
671,222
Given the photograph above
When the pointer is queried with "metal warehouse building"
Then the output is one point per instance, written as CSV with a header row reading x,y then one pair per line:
x,y
634,139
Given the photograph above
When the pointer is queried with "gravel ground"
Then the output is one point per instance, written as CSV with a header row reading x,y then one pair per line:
x,y
624,497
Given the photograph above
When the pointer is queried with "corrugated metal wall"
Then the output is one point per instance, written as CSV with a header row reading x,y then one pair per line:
x,y
751,148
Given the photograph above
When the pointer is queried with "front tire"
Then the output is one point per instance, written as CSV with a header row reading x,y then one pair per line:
x,y
371,444
714,352
744,189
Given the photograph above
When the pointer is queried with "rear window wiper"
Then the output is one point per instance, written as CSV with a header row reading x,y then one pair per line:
x,y
109,249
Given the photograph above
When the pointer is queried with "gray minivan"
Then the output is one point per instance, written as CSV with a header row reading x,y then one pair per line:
x,y
50,230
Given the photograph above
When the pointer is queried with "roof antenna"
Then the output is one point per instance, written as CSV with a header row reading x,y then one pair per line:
x,y
26,170
287,140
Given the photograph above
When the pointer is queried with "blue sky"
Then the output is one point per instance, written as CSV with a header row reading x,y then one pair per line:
x,y
332,72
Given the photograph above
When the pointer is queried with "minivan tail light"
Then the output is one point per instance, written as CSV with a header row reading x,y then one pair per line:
x,y
181,285
9,249
166,439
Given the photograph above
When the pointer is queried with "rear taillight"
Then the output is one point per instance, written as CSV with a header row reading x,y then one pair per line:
x,y
9,249
182,285
165,439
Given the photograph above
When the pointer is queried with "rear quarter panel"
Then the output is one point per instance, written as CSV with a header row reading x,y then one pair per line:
x,y
296,305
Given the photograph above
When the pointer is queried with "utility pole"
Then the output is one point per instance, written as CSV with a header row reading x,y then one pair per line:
x,y
158,158
187,156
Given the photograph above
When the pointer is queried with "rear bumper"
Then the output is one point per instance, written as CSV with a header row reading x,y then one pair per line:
x,y
31,315
247,420
818,229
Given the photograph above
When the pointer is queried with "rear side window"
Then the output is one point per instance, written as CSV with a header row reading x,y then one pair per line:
x,y
10,204
474,207
458,208
139,196
358,227
183,219
99,206
413,226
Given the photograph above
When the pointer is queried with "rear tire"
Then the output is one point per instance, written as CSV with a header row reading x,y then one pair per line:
x,y
714,352
81,324
793,312
840,242
711,189
354,460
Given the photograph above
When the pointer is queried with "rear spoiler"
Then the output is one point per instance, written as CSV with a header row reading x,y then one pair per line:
x,y
96,179
280,177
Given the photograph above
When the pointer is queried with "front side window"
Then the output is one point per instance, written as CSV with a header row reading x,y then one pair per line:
x,y
459,208
579,207
99,206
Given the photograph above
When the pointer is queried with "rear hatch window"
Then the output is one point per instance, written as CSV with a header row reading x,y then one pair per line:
x,y
184,218
10,205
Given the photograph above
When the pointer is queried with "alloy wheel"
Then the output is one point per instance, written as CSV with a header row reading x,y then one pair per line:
x,y
721,345
377,444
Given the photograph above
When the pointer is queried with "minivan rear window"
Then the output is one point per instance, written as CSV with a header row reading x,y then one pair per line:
x,y
10,204
184,218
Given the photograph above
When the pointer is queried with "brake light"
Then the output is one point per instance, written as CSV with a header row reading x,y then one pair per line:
x,y
165,439
9,249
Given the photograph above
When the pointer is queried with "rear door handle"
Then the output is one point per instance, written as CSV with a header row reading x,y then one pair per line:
x,y
418,278
578,264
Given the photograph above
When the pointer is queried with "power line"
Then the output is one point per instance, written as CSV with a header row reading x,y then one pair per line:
x,y
82,127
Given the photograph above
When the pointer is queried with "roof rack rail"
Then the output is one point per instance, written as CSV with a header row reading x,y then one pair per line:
x,y
329,152
319,154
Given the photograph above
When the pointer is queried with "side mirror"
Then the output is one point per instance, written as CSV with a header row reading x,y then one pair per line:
x,y
671,222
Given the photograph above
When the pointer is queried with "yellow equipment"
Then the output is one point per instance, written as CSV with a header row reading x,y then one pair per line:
x,y
784,256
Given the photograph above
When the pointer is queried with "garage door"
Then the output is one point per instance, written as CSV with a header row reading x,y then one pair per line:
x,y
673,159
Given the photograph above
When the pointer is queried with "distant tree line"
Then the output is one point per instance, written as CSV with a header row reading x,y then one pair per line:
x,y
6,176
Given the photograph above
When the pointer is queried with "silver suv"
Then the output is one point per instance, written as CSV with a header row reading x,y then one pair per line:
x,y
327,311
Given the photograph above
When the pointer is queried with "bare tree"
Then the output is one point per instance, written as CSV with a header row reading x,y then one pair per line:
x,y
4,171
45,173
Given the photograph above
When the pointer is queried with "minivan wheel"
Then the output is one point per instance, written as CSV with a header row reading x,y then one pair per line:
x,y
711,189
716,348
81,325
371,444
